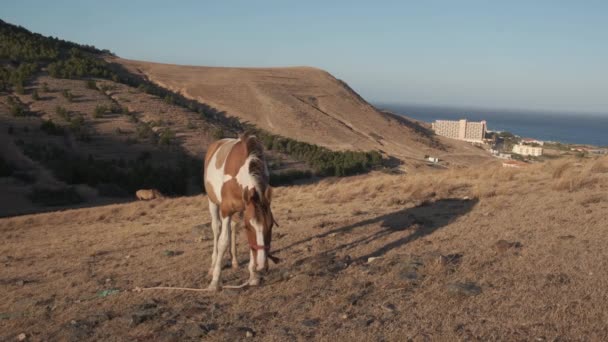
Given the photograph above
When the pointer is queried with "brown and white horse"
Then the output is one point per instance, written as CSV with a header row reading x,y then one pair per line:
x,y
236,181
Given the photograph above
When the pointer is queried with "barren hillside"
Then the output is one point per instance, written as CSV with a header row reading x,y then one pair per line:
x,y
493,254
306,104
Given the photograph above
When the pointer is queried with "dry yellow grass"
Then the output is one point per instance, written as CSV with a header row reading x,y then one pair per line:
x,y
478,254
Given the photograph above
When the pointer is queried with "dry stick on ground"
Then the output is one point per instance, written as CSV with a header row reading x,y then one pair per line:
x,y
140,289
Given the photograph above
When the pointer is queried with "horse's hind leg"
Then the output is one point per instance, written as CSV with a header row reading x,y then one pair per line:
x,y
214,209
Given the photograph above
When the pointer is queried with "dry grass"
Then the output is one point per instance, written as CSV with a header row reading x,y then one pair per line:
x,y
441,273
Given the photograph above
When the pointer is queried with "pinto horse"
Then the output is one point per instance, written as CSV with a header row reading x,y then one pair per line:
x,y
236,181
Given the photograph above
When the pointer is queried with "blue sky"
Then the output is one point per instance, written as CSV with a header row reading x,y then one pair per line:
x,y
497,54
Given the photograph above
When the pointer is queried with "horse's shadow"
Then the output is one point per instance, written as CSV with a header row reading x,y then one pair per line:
x,y
422,220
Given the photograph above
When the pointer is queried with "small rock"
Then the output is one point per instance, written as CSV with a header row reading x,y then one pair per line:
x,y
464,289
388,307
248,333
20,282
344,316
108,280
21,337
127,256
371,259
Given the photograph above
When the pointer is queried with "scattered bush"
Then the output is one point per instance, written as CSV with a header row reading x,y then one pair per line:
x,y
55,197
144,131
218,134
166,137
63,113
91,84
35,95
100,110
128,175
68,95
6,168
288,177
19,88
49,127
323,161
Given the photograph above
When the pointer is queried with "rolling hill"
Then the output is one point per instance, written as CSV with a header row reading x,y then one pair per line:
x,y
307,104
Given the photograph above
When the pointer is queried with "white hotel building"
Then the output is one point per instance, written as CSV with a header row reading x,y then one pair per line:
x,y
526,150
461,130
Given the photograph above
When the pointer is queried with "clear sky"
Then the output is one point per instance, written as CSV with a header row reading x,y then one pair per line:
x,y
529,54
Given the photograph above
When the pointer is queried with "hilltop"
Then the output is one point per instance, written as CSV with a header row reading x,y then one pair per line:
x,y
307,104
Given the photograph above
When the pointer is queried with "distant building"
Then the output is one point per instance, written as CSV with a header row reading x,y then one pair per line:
x,y
526,150
461,130
504,155
433,159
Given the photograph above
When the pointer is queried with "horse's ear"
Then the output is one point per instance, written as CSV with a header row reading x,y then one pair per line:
x,y
268,194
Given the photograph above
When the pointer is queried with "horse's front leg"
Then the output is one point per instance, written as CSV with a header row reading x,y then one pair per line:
x,y
223,242
254,277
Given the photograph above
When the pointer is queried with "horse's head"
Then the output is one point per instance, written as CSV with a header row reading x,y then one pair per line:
x,y
258,224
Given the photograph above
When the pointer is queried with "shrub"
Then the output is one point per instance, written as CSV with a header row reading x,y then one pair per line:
x,y
144,131
91,84
45,87
49,127
100,110
35,95
288,177
68,95
19,88
17,110
218,134
63,113
6,168
55,197
166,137
128,175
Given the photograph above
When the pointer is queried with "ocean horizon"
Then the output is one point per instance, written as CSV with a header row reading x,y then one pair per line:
x,y
591,129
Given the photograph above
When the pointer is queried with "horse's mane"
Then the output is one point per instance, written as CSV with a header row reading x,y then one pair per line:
x,y
257,164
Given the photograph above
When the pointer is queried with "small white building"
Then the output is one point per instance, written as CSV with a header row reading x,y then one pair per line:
x,y
433,159
526,150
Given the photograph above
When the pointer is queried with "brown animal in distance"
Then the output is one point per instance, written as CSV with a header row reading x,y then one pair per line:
x,y
148,194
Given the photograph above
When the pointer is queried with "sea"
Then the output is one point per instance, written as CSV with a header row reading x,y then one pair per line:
x,y
591,129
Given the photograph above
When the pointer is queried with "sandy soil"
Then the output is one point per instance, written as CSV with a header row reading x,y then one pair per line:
x,y
482,254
